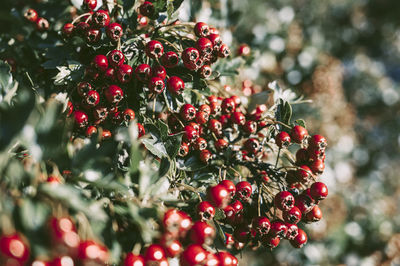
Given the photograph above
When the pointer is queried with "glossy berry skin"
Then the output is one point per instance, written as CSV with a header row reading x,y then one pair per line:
x,y
252,146
83,88
244,190
115,58
218,196
215,40
90,131
61,261
92,36
304,202
223,51
124,73
318,191
300,240
156,85
81,119
31,15
284,201
215,107
90,4
202,233
205,71
317,142
221,144
317,166
230,186
158,71
190,54
92,251
228,105
13,247
147,9
172,247
205,210
292,216
227,259
68,30
141,130
202,117
244,50
114,31
200,144
42,24
154,253
282,139
190,134
143,72
175,85
193,255
100,62
170,59
298,133
101,18
261,225
183,149
92,98
270,241
303,174
204,46
314,215
201,29
128,115
278,229
114,94
250,127
215,126
205,108
187,112
134,260
292,231
154,49
205,156
238,118
241,233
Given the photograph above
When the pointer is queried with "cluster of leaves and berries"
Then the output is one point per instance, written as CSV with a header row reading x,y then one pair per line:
x,y
211,169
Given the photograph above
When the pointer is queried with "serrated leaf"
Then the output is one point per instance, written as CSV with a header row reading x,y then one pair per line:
x,y
284,112
155,146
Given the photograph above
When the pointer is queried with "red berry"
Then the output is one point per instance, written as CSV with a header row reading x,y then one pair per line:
x,y
215,40
303,174
252,146
204,46
241,233
228,105
202,233
318,191
270,241
200,144
292,216
172,247
292,231
116,58
92,98
90,4
300,240
134,260
221,144
304,202
244,190
244,50
90,131
154,253
81,118
230,186
176,223
250,127
205,210
154,49
128,115
124,73
38,262
92,36
205,156
264,177
13,247
141,130
205,108
223,51
62,261
201,29
282,139
143,72
205,71
218,196
317,167
187,112
82,28
202,117
193,255
159,71
284,200
227,259
114,31
101,18
31,15
170,59
175,85
183,150
314,215
42,24
100,62
110,74
301,156
114,94
147,9
92,251
215,108
190,54
278,229
100,113
317,142
190,134
215,126
298,133
68,30
261,225
238,118
83,88
156,85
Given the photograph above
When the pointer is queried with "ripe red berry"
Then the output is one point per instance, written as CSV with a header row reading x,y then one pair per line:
x,y
31,15
215,40
261,225
215,126
170,59
282,139
304,202
205,71
134,260
116,58
183,150
81,118
90,131
221,144
154,49
128,115
238,118
190,54
205,108
176,223
154,253
204,46
92,98
13,247
158,71
278,229
250,127
298,133
318,191
215,108
90,4
292,216
314,215
114,31
190,134
227,259
200,144
92,36
244,50
317,167
224,51
303,174
201,29
202,233
82,28
205,210
187,112
228,106
68,30
205,156
100,62
300,240
91,251
141,130
270,241
83,88
114,94
101,18
244,190
124,73
202,117
156,85
317,142
218,196
284,200
39,262
229,185
193,255
63,260
147,9
143,72
42,24
292,231
175,85
252,146
172,247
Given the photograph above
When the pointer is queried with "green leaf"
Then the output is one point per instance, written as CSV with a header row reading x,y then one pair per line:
x,y
284,112
300,122
164,166
172,144
155,146
33,214
219,214
191,164
6,79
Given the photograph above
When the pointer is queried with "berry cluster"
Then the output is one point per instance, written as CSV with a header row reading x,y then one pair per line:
x,y
41,23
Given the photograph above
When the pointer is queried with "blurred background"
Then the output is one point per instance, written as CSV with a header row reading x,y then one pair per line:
x,y
344,55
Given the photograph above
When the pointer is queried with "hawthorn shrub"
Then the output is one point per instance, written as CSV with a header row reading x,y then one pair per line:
x,y
140,153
